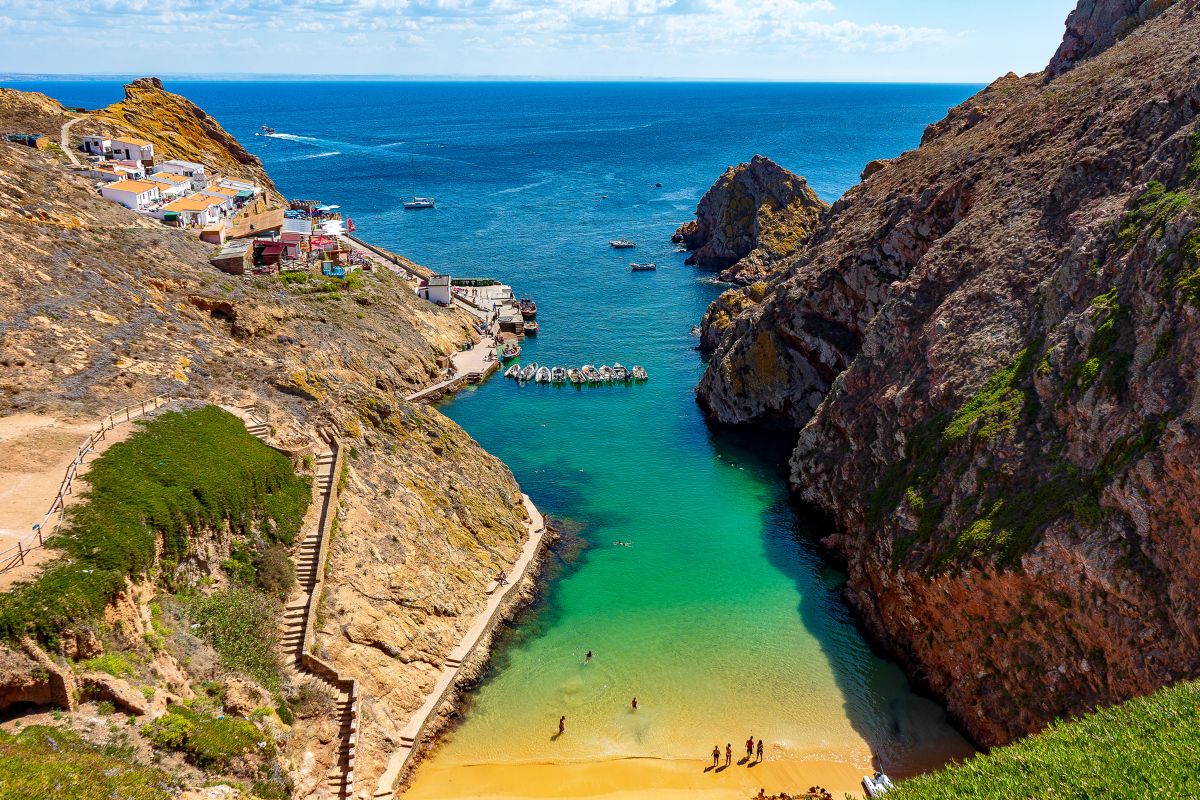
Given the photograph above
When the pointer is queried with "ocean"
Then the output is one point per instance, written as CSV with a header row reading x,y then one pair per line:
x,y
720,617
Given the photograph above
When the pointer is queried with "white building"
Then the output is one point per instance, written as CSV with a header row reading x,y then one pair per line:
x,y
137,195
171,185
239,185
198,173
119,148
436,290
196,210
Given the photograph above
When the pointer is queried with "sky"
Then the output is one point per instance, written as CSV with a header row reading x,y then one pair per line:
x,y
795,40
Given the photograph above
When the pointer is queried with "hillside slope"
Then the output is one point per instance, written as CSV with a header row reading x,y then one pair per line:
x,y
989,350
100,307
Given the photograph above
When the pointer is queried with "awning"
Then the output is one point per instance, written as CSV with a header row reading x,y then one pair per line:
x,y
245,193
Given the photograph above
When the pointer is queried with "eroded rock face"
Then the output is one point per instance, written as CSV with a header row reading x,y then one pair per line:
x,y
989,349
1095,25
754,214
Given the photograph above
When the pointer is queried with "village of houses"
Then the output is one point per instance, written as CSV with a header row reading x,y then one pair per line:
x,y
252,235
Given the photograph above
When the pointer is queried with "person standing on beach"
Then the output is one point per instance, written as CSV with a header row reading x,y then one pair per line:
x,y
716,755
562,725
728,753
749,749
760,749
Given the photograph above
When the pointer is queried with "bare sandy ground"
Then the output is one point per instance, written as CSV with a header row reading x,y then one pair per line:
x,y
35,451
631,779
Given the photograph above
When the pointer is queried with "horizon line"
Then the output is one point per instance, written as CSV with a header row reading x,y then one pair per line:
x,y
93,77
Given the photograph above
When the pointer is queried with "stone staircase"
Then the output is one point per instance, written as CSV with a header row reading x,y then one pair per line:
x,y
296,626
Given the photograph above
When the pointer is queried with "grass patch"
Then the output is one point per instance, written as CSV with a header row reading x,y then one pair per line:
x,y
205,740
1143,748
48,762
996,407
182,472
241,624
1152,210
115,664
1104,357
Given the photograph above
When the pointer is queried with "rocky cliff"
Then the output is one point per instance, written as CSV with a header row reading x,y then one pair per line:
x,y
99,307
754,214
989,350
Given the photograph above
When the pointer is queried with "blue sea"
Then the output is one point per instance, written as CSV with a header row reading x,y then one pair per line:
x,y
721,617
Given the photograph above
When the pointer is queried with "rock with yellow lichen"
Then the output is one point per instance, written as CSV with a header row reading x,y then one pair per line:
x,y
754,215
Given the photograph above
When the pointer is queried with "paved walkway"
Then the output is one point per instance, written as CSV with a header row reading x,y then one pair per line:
x,y
410,737
480,358
66,140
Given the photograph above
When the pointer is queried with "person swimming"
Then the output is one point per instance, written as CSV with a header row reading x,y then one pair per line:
x,y
588,657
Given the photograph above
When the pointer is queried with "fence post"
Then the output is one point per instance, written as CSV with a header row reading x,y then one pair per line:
x,y
20,555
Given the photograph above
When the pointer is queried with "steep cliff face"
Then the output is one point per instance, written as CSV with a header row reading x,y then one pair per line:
x,y
754,214
100,307
989,348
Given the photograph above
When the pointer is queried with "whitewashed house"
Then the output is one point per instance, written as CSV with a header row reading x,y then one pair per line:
x,y
110,147
198,173
136,195
436,290
195,210
98,145
172,185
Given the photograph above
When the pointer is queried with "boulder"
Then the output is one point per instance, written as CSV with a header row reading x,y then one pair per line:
x,y
102,686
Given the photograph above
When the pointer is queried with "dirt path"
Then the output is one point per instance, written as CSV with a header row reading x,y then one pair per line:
x,y
65,135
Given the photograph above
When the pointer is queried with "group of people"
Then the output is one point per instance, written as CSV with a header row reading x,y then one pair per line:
x,y
751,750
813,793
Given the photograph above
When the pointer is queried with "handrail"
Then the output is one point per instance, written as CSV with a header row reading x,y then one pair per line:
x,y
40,529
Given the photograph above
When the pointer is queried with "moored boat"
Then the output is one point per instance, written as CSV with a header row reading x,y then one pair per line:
x,y
620,374
558,375
574,376
527,307
606,373
621,244
419,203
531,327
513,372
588,373
639,374
542,375
511,351
643,267
529,371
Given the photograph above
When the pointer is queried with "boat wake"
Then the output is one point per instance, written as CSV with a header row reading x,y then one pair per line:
x,y
326,154
291,137
525,188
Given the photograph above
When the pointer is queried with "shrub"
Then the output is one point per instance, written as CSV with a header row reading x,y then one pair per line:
x,y
205,740
48,762
115,664
276,572
241,625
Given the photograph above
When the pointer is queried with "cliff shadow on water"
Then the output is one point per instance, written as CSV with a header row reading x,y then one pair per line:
x,y
907,731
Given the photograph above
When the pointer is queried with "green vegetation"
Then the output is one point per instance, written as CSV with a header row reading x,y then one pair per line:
x,y
996,407
241,625
48,762
182,473
1144,748
1105,358
1152,210
115,664
205,740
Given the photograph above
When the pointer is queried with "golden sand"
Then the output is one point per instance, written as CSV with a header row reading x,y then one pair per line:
x,y
631,779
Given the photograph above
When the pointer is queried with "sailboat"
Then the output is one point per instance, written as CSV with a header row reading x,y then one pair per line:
x,y
417,202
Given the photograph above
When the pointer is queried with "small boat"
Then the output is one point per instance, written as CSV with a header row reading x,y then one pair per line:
x,y
574,376
877,786
621,244
639,374
513,372
620,374
529,371
531,327
606,374
510,351
418,203
680,250
542,375
265,130
558,375
643,267
588,374
527,307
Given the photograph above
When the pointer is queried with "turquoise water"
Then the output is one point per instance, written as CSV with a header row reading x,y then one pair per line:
x,y
720,617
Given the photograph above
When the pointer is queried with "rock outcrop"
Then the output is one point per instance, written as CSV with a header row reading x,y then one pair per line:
x,y
989,350
1096,25
754,214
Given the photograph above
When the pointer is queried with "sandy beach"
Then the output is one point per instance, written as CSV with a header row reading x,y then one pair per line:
x,y
631,779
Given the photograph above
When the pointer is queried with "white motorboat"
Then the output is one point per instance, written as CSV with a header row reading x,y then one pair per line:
x,y
606,374
513,372
418,203
558,375
574,376
529,371
635,267
542,375
639,374
622,244
620,374
589,374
